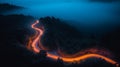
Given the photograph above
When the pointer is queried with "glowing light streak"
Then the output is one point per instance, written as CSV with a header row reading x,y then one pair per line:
x,y
35,43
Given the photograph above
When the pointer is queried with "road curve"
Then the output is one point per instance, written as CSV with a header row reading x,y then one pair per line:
x,y
55,57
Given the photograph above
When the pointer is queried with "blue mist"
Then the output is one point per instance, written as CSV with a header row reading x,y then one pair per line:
x,y
90,17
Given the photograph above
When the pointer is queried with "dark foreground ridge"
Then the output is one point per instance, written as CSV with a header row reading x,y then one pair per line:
x,y
15,30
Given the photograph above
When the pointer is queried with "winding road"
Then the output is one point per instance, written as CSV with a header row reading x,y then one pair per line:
x,y
35,43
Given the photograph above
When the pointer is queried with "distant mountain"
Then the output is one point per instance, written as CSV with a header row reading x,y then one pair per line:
x,y
8,7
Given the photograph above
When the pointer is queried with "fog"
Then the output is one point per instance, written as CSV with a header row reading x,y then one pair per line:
x,y
79,13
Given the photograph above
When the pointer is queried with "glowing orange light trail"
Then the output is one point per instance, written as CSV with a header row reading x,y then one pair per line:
x,y
69,60
36,40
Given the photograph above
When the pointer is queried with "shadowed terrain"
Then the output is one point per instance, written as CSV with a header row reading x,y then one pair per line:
x,y
59,34
15,31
